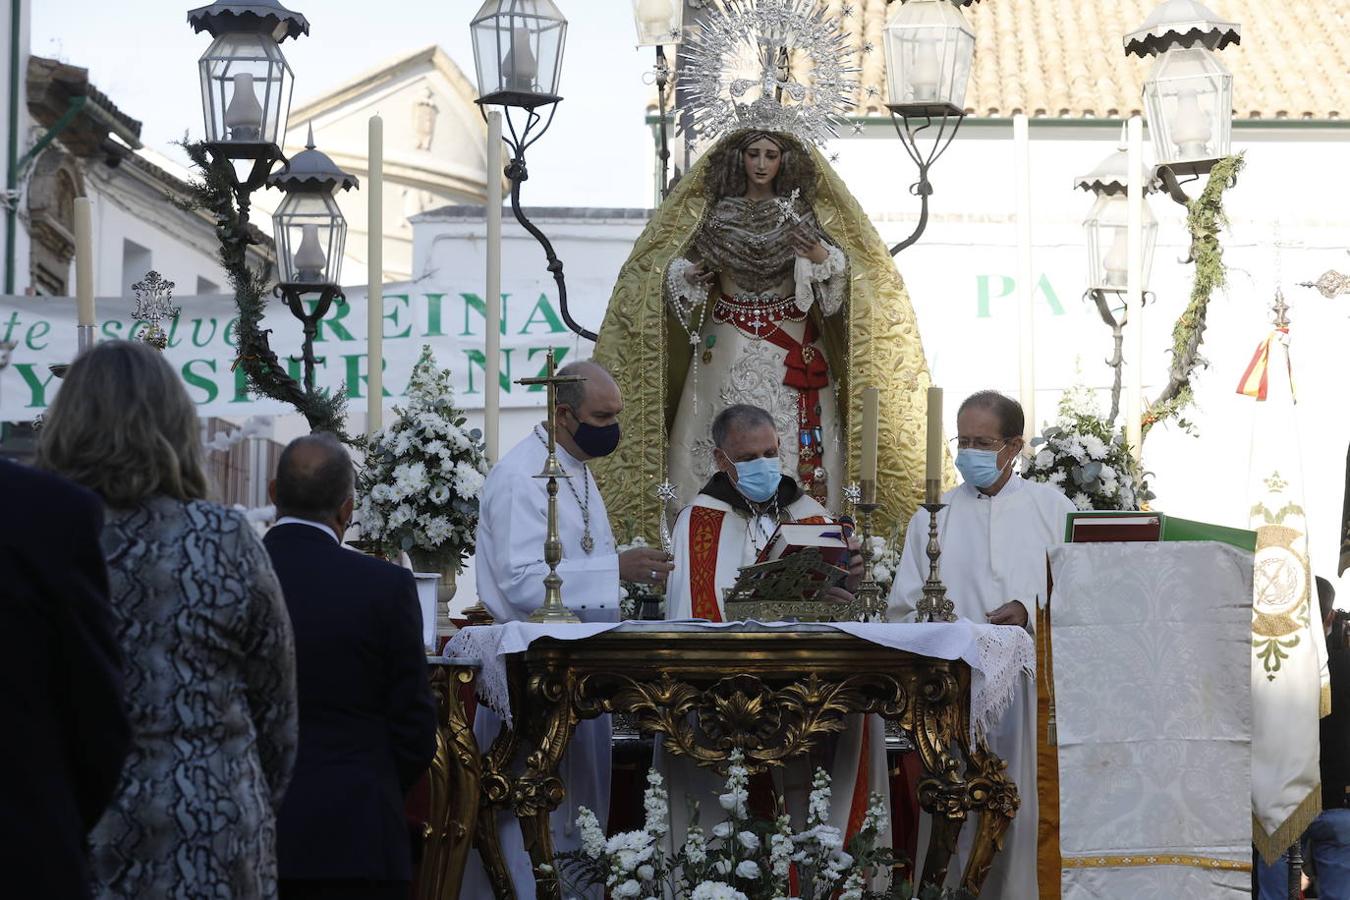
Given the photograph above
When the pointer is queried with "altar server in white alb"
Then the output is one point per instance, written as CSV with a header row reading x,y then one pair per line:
x,y
994,534
510,572
728,524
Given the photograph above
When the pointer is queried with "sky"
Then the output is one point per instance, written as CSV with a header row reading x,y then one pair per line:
x,y
143,55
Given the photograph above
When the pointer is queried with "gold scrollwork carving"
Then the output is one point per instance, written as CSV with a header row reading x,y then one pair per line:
x,y
741,712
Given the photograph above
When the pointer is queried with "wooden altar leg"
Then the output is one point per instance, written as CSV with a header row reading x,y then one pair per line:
x,y
996,798
937,723
539,791
496,790
490,852
454,785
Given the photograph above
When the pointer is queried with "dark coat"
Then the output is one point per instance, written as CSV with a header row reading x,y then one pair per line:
x,y
367,718
61,683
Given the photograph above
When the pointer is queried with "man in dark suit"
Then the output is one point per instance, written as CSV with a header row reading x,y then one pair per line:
x,y
367,719
66,729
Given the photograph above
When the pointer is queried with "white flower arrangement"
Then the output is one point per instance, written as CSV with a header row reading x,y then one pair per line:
x,y
1086,459
886,559
423,476
743,859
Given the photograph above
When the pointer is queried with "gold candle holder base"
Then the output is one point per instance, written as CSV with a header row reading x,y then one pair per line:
x,y
934,605
871,600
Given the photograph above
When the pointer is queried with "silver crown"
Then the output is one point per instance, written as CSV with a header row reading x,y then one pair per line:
x,y
738,70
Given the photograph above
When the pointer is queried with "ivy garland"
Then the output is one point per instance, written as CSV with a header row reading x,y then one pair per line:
x,y
1205,218
325,411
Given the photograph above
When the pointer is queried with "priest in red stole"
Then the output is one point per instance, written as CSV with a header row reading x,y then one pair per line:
x,y
725,528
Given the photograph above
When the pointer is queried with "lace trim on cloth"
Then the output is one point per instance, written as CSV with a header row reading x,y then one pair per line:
x,y
821,281
998,655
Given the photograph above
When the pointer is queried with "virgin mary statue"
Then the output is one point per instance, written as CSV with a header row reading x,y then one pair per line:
x,y
760,280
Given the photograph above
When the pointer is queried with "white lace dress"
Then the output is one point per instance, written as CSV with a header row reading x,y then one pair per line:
x,y
763,288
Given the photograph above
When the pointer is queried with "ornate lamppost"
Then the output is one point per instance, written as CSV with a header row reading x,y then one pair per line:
x,y
930,48
310,233
660,22
1188,94
246,86
1106,228
518,53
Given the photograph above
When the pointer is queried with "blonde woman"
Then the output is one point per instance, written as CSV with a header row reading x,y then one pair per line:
x,y
200,618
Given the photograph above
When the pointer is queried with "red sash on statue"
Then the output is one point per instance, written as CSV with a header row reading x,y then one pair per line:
x,y
807,373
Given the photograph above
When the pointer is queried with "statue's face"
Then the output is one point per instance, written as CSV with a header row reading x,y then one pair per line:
x,y
762,160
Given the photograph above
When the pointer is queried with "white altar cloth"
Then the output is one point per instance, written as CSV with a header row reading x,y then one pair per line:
x,y
1153,707
998,655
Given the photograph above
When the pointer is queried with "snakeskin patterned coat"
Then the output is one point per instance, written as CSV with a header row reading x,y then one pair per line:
x,y
211,694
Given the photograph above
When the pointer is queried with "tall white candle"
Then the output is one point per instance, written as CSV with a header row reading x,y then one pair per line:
x,y
933,469
870,424
84,260
1134,298
492,339
1026,288
375,292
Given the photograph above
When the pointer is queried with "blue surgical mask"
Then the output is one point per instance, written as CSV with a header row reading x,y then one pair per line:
x,y
758,479
978,467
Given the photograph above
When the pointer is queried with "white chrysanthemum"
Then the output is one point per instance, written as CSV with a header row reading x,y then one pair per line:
x,y
1057,477
401,515
1094,446
1082,501
468,480
439,530
716,890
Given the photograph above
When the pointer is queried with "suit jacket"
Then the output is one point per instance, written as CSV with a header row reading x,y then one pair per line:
x,y
61,703
367,718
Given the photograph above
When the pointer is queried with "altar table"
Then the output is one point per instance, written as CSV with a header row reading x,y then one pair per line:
x,y
773,691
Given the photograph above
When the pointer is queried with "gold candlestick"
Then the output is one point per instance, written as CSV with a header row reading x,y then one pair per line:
x,y
935,605
870,598
553,611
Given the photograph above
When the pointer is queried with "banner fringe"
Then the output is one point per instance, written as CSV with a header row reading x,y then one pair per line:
x,y
1271,846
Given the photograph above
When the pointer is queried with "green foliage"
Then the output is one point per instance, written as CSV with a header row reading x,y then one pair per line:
x,y
1205,219
267,376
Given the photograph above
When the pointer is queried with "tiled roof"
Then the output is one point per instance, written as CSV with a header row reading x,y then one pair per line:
x,y
1065,58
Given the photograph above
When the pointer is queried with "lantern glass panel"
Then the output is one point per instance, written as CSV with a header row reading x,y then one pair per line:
x,y
659,21
1189,99
1107,228
311,235
518,47
246,89
929,51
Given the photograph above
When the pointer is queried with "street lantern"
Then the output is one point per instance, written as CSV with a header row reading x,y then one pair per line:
x,y
930,48
311,234
659,22
245,79
308,226
929,51
1188,94
1106,225
518,52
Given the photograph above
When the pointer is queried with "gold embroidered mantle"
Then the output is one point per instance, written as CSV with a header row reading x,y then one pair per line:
x,y
645,348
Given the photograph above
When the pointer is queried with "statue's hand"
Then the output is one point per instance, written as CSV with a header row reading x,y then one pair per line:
x,y
699,276
809,246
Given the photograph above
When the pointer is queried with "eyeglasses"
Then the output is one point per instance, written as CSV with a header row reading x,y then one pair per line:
x,y
978,443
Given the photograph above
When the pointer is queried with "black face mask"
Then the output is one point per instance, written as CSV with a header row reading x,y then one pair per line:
x,y
596,440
